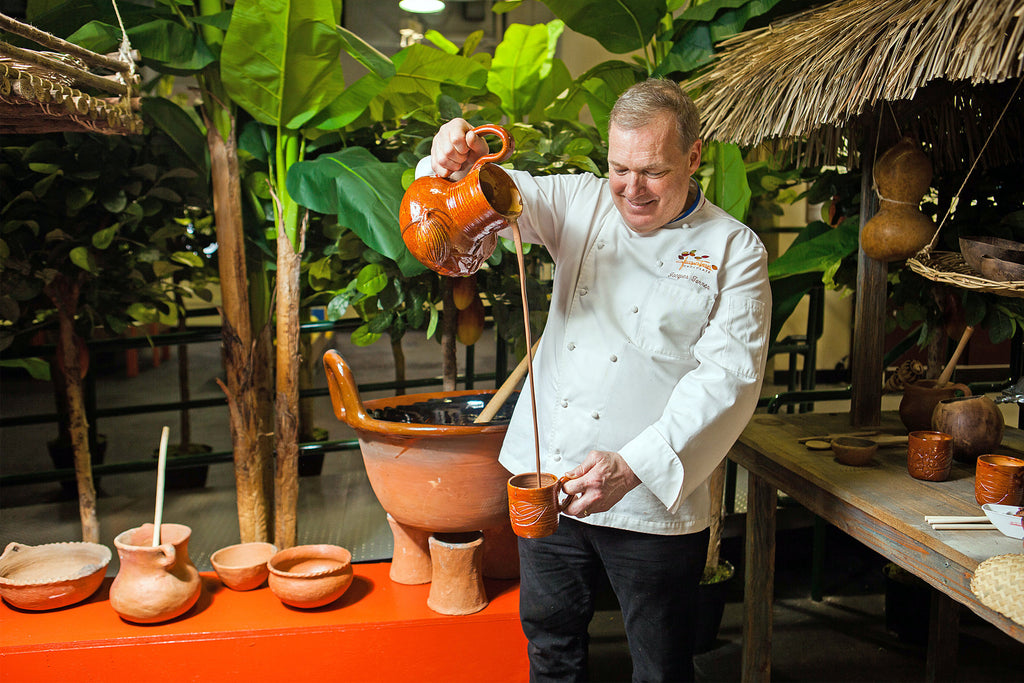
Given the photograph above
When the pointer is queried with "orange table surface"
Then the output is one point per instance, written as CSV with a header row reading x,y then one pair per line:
x,y
377,631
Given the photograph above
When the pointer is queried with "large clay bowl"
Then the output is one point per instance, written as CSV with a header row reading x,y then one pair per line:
x,y
310,576
975,247
243,566
53,575
438,477
1004,270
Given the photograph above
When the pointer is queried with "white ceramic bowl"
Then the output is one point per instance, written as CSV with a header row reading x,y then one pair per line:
x,y
1006,518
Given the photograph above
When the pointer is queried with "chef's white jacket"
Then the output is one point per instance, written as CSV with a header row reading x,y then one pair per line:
x,y
654,347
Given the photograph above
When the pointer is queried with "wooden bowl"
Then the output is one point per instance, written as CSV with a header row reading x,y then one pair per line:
x,y
309,576
850,450
52,575
243,566
975,247
1003,270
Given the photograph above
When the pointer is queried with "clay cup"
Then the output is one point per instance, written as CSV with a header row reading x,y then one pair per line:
x,y
929,455
534,509
999,479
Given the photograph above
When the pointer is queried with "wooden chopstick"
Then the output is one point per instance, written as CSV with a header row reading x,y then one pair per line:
x,y
970,527
940,519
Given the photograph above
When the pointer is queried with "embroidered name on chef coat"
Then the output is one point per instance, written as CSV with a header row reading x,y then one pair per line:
x,y
695,267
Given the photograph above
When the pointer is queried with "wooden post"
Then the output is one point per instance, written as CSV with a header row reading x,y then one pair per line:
x,y
869,314
759,572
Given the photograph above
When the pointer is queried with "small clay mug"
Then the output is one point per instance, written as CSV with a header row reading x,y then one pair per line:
x,y
999,479
533,506
929,455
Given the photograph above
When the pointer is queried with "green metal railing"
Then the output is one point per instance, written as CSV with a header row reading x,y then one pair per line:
x,y
204,335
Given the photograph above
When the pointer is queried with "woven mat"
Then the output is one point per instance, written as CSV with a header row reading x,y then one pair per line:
x,y
999,584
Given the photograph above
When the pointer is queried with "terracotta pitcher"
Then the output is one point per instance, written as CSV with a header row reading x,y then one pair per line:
x,y
919,401
158,583
451,227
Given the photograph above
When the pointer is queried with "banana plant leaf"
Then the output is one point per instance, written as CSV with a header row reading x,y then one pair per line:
x,y
522,63
363,192
420,73
701,26
728,187
174,121
280,59
620,26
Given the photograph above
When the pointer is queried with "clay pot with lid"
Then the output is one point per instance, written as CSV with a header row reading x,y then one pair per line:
x,y
974,422
921,397
154,583
451,227
899,229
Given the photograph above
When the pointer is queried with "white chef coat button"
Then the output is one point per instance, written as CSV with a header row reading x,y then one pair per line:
x,y
557,458
635,309
570,346
684,225
600,245
660,263
565,404
613,358
596,415
583,291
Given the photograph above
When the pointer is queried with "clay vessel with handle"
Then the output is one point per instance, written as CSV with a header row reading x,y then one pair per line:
x,y
154,583
451,226
921,397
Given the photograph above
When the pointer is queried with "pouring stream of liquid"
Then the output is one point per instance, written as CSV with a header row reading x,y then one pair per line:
x,y
518,238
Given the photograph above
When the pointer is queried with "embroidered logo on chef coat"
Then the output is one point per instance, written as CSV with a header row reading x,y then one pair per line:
x,y
695,267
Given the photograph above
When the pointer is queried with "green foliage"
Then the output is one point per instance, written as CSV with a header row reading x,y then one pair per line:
x,y
110,213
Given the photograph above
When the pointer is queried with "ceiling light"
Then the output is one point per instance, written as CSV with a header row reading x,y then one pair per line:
x,y
422,6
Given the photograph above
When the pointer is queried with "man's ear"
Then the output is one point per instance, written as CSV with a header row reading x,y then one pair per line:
x,y
695,157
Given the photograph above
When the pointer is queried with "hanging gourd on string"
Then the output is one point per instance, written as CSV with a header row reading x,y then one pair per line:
x,y
899,229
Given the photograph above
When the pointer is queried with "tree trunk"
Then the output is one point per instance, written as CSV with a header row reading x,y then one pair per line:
x,y
716,485
449,322
64,294
250,462
286,431
398,357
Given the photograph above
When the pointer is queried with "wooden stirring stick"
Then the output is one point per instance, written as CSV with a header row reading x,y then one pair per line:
x,y
947,372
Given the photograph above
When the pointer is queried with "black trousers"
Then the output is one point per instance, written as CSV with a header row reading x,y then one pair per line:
x,y
654,577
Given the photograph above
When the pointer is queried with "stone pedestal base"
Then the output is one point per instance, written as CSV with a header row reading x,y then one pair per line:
x,y
457,585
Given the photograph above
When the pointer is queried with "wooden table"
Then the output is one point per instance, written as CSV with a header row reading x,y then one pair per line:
x,y
879,505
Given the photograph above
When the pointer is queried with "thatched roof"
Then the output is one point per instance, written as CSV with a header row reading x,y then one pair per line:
x,y
65,88
939,69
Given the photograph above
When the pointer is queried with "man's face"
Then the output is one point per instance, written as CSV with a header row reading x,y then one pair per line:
x,y
650,173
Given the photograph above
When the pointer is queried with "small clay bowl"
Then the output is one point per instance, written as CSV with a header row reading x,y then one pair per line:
x,y
243,567
53,575
850,450
310,575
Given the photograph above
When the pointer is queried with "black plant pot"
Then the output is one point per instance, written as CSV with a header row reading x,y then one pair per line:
x,y
710,607
63,456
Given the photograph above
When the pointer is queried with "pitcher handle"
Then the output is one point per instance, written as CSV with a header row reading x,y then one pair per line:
x,y
508,145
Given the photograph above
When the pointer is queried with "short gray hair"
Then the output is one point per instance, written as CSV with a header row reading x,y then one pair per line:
x,y
635,107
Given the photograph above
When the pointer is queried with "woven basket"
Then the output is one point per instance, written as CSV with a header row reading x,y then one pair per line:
x,y
949,267
998,584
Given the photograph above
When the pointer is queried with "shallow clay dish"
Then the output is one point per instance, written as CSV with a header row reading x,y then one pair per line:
x,y
53,575
975,247
243,566
850,450
310,575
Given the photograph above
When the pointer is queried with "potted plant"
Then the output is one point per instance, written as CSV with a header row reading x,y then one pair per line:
x,y
80,210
